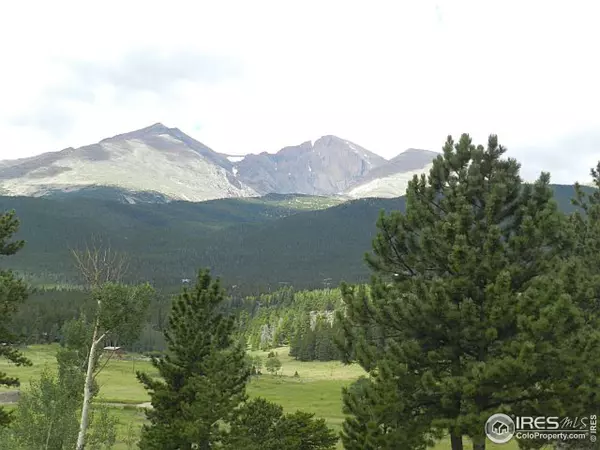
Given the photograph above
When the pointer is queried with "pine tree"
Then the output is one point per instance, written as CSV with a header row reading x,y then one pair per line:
x,y
261,425
204,372
333,353
273,365
307,345
302,431
296,339
299,348
13,292
321,340
254,426
337,337
462,318
581,281
586,228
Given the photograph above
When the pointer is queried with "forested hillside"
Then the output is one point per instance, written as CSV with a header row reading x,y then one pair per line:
x,y
159,234
255,244
304,320
267,320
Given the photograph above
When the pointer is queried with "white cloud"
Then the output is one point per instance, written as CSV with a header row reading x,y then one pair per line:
x,y
256,76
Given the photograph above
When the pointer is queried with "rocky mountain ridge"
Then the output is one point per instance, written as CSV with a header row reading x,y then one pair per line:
x,y
329,166
164,163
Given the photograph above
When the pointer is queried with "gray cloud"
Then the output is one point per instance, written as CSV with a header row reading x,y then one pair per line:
x,y
572,156
142,70
155,71
439,15
74,90
50,115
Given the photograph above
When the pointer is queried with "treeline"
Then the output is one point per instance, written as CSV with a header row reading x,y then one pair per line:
x,y
304,320
318,343
238,238
206,364
42,318
254,246
301,319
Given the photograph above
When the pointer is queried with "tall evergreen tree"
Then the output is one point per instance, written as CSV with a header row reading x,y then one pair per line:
x,y
464,305
13,292
308,344
303,342
296,340
262,425
581,281
586,228
325,349
204,372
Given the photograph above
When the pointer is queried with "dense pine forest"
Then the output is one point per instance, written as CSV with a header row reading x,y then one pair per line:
x,y
267,321
474,294
253,244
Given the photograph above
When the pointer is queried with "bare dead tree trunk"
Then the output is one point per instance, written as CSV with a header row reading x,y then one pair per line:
x,y
87,390
98,265
49,435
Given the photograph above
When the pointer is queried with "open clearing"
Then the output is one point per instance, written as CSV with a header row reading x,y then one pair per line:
x,y
316,390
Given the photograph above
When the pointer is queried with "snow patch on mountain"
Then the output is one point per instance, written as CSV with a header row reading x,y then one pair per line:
x,y
387,187
358,152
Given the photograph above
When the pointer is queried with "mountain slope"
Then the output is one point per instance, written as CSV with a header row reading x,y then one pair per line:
x,y
154,159
147,232
115,194
326,167
304,249
391,179
248,242
158,164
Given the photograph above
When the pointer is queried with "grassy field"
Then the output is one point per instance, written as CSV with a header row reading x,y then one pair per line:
x,y
317,389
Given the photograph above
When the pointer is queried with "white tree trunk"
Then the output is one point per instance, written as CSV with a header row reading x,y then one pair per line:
x,y
87,391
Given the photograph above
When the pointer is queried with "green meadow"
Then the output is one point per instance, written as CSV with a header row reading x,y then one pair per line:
x,y
316,389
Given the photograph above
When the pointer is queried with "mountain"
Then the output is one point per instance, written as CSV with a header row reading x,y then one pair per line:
x,y
326,167
111,193
391,179
157,161
160,164
250,242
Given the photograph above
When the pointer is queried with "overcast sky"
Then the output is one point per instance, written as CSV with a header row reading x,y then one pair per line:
x,y
250,76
